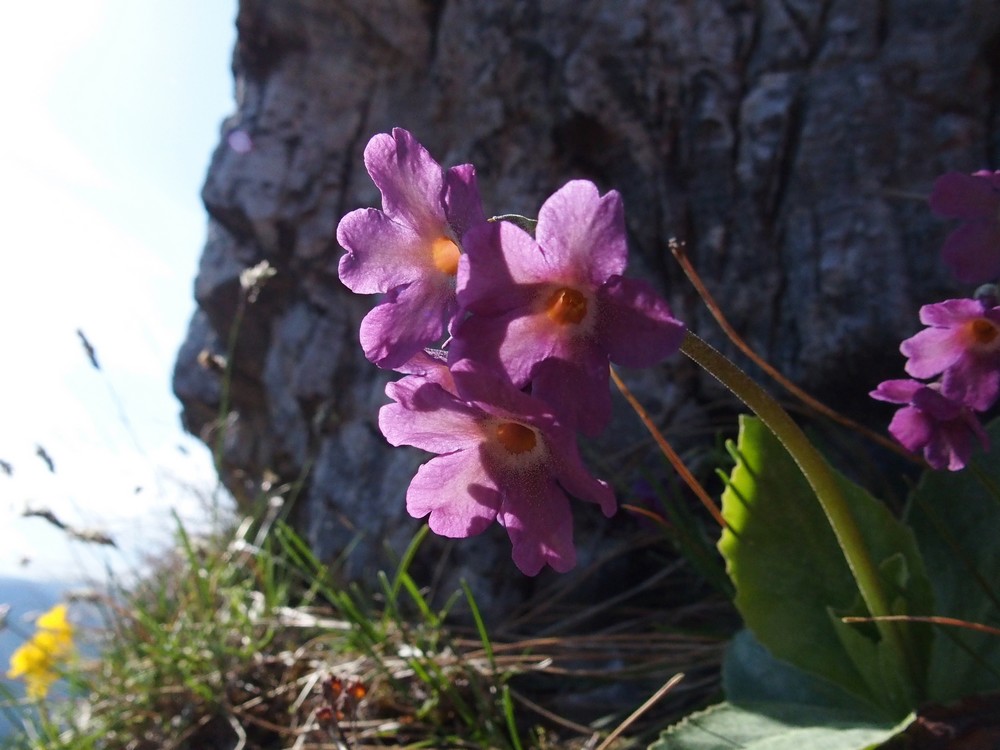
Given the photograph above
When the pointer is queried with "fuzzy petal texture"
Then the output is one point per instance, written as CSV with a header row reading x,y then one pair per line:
x,y
582,233
560,299
973,381
953,430
483,339
410,249
578,391
945,430
637,327
411,182
570,375
432,364
381,253
531,339
426,416
912,428
932,351
574,477
537,517
480,474
896,391
951,312
505,259
963,345
497,396
456,491
409,319
500,399
513,343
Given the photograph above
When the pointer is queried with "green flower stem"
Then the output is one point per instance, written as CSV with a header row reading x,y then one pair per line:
x,y
823,483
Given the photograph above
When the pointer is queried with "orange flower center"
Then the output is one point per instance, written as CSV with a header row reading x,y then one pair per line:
x,y
982,332
516,438
444,255
566,305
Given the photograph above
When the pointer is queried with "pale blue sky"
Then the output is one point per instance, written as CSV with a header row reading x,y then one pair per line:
x,y
112,109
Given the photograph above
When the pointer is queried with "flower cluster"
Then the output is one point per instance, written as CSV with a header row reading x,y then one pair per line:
x,y
972,251
38,659
960,348
504,339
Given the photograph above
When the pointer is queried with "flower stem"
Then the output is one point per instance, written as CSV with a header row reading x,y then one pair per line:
x,y
677,248
668,451
823,482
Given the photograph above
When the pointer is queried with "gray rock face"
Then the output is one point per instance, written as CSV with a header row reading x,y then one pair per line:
x,y
788,142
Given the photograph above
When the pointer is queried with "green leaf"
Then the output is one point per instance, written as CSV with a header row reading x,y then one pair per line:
x,y
770,726
793,583
750,674
956,518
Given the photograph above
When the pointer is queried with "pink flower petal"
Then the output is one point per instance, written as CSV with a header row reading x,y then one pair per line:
x,y
637,328
460,497
973,381
573,476
479,339
461,199
932,351
939,426
896,391
972,251
428,417
951,312
937,406
381,253
411,182
433,368
582,233
531,339
950,448
963,196
511,343
577,391
540,526
498,270
911,428
410,318
506,284
495,394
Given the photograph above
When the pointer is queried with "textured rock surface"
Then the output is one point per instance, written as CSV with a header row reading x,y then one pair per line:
x,y
787,141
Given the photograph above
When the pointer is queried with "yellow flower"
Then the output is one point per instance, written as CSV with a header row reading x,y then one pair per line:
x,y
37,659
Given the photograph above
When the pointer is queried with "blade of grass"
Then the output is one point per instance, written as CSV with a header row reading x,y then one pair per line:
x,y
477,617
408,555
508,714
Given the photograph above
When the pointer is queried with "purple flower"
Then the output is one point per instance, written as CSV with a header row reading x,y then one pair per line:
x,y
942,428
963,342
972,251
551,311
501,456
410,249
